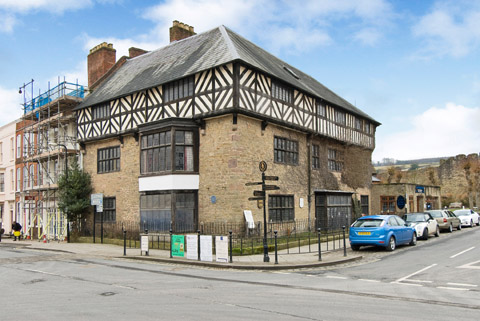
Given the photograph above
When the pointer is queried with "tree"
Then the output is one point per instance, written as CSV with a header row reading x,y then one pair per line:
x,y
74,187
413,167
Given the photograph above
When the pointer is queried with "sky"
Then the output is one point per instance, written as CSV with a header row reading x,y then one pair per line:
x,y
411,65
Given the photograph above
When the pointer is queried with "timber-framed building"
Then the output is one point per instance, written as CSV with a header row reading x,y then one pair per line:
x,y
172,136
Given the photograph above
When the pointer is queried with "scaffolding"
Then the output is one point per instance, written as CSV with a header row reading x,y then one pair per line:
x,y
48,128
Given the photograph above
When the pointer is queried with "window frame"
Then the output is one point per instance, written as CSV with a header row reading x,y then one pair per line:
x,y
387,201
340,117
2,182
364,204
315,156
285,212
281,92
111,163
285,151
179,89
109,210
164,154
101,112
335,160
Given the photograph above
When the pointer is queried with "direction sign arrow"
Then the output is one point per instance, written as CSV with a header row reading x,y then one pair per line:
x,y
253,183
271,178
256,198
258,193
270,187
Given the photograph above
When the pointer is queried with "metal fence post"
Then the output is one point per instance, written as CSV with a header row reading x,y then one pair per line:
x,y
230,244
124,242
198,245
319,245
276,250
171,233
344,245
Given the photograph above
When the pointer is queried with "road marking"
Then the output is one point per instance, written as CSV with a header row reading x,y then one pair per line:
x,y
367,280
415,273
454,289
462,252
463,284
470,266
418,281
336,277
411,284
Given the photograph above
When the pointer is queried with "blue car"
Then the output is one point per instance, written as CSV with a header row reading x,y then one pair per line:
x,y
387,231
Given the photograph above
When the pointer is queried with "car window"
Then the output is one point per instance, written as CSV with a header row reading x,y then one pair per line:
x,y
436,214
428,217
400,222
369,222
414,217
392,221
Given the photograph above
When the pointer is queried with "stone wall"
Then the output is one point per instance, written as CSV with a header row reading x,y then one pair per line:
x,y
122,184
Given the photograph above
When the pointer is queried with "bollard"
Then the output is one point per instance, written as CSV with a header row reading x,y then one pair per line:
x,y
124,242
230,245
171,233
276,252
319,245
344,245
198,245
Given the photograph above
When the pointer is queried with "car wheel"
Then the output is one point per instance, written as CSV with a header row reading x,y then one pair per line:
x,y
437,232
425,234
414,239
459,227
355,247
450,228
478,223
471,223
391,244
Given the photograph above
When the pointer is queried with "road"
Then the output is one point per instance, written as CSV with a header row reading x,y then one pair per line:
x,y
438,279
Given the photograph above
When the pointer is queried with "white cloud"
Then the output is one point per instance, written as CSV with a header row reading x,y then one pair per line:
x,y
450,29
7,22
436,132
280,25
54,6
10,106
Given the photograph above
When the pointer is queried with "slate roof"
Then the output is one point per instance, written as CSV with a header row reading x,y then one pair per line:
x,y
201,52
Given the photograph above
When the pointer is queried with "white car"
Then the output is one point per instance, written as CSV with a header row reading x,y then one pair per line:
x,y
424,224
468,217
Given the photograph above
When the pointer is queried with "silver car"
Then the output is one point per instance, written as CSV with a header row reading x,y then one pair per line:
x,y
446,220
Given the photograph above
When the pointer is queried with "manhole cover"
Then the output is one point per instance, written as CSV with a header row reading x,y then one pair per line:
x,y
107,293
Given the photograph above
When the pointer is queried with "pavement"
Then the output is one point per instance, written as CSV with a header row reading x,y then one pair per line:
x,y
305,257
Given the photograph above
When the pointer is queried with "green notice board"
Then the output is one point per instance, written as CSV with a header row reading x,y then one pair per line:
x,y
178,245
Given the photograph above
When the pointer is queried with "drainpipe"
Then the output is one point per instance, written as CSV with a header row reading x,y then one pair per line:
x,y
309,180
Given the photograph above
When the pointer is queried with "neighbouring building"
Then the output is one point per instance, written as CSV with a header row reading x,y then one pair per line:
x,y
172,136
400,198
7,176
46,140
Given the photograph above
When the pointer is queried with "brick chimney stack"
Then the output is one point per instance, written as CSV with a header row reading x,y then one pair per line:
x,y
180,31
135,52
100,60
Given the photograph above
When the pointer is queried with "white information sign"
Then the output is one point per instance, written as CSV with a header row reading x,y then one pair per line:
x,y
221,249
192,247
206,248
96,199
144,243
249,218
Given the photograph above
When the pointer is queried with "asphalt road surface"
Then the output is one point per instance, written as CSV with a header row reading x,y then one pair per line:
x,y
439,279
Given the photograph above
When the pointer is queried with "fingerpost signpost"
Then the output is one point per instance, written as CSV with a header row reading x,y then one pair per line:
x,y
261,195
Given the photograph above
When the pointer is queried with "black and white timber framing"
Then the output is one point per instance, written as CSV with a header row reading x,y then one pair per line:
x,y
240,85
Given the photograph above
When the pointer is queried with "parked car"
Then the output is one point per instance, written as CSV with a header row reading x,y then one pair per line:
x,y
468,217
386,231
446,220
424,224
